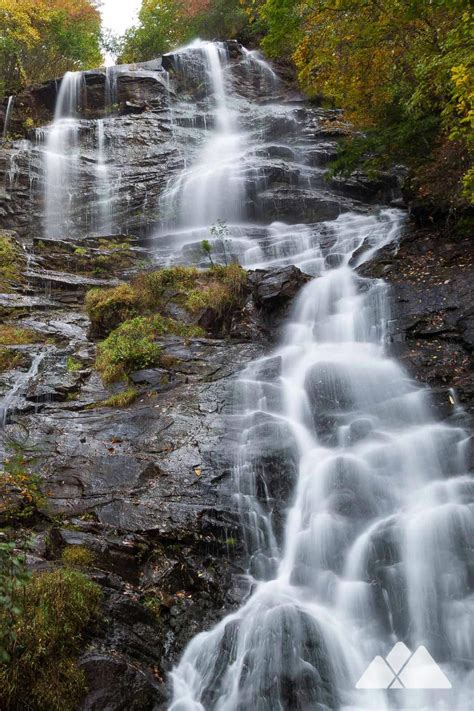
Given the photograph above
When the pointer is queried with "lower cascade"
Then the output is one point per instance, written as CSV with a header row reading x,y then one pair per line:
x,y
353,498
373,547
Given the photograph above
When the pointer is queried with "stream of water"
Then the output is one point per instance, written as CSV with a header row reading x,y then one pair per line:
x,y
373,552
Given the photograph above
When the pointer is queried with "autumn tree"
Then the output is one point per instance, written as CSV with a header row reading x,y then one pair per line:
x,y
401,69
41,39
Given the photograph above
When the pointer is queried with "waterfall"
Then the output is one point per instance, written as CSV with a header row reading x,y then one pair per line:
x,y
111,89
212,188
8,114
104,185
13,397
372,546
62,156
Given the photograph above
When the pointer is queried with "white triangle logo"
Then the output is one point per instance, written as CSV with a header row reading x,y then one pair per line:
x,y
403,669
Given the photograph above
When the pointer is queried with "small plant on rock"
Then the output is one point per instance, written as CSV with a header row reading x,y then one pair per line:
x,y
20,488
207,249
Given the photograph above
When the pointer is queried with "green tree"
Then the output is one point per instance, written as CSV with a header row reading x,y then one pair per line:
x,y
220,19
162,25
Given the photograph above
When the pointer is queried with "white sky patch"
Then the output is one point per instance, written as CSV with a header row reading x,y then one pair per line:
x,y
118,16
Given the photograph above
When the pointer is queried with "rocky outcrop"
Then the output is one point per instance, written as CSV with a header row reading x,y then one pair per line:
x,y
153,114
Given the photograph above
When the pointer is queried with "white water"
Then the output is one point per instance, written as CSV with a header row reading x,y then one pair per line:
x,y
211,189
62,156
104,187
8,113
376,540
13,397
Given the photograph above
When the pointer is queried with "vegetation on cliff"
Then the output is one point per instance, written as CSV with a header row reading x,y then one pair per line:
x,y
158,303
165,24
43,618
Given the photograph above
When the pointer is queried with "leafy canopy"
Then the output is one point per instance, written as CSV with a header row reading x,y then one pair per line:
x,y
41,39
401,69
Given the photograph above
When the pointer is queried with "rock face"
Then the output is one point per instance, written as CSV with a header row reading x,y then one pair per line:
x,y
149,112
430,274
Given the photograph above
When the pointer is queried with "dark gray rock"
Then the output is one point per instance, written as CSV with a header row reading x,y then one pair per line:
x,y
431,273
115,685
275,288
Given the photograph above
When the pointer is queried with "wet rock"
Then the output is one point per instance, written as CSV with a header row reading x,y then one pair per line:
x,y
115,685
274,289
430,274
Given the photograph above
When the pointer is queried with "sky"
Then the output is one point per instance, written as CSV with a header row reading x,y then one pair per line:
x,y
118,15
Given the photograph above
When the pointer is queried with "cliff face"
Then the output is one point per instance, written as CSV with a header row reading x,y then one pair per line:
x,y
147,489
431,331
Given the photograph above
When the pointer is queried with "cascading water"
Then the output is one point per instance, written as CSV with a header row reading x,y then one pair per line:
x,y
104,183
8,115
62,156
374,546
212,188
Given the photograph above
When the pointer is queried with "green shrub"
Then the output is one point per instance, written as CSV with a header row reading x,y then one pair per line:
x,y
73,365
107,308
13,577
42,673
132,346
155,289
20,489
77,557
223,290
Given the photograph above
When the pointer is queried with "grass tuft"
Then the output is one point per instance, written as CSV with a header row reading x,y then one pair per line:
x,y
108,308
11,359
55,609
132,346
120,400
11,264
17,336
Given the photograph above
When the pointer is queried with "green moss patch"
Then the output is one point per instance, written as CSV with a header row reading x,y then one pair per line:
x,y
77,557
11,335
